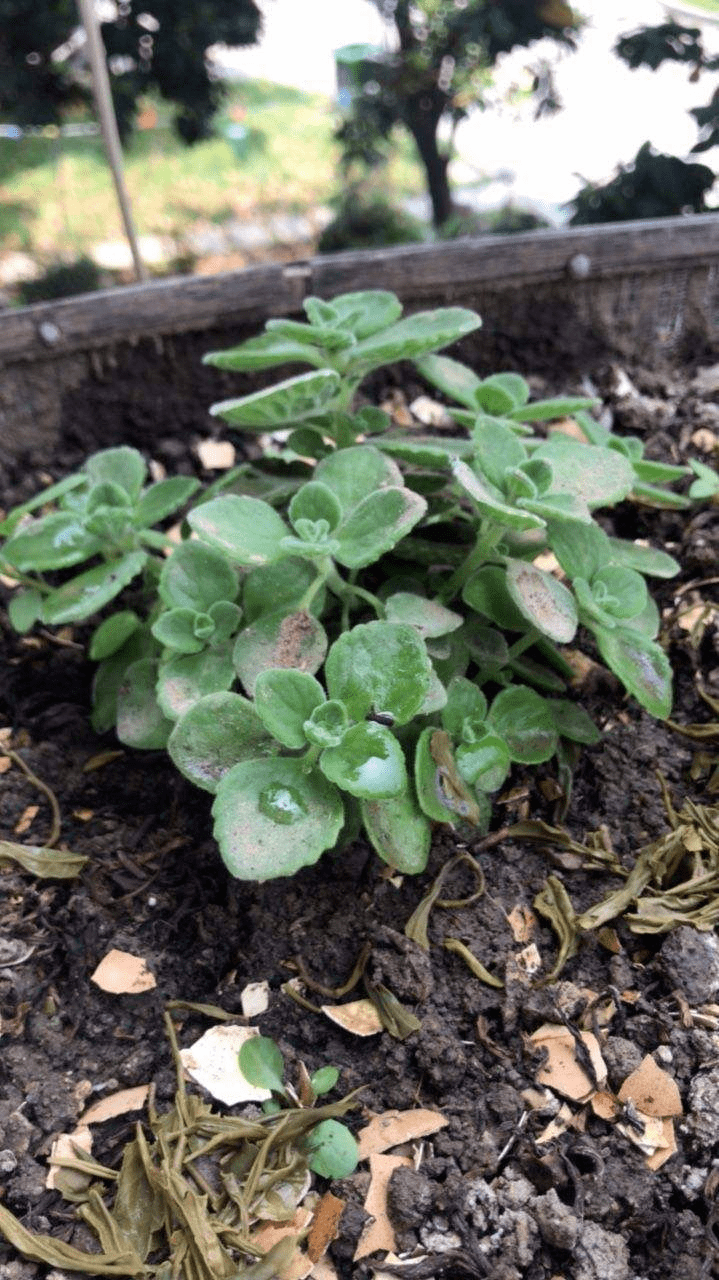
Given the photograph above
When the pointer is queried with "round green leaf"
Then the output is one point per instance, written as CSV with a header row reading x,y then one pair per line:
x,y
327,725
353,474
368,762
24,609
332,1150
323,1080
621,592
122,466
573,722
112,634
280,639
140,722
546,603
376,525
195,576
175,628
488,594
523,719
465,701
484,763
262,1064
272,817
184,679
110,674
380,667
398,831
315,501
641,665
248,530
284,700
599,476
286,402
427,617
281,585
489,502
213,735
89,592
161,499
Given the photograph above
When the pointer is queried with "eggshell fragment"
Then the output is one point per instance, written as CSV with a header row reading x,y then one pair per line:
x,y
122,974
357,1016
379,1233
394,1127
562,1071
652,1090
116,1104
212,1062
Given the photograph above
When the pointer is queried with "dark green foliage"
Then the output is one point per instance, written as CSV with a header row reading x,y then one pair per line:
x,y
652,186
62,280
367,222
155,45
445,51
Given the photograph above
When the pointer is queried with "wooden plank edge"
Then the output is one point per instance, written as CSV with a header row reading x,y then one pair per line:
x,y
577,255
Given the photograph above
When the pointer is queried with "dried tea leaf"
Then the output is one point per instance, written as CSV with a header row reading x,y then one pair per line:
x,y
120,973
652,1090
55,1253
394,1127
138,1207
48,864
359,1017
116,1104
395,1019
379,1233
100,759
555,905
472,963
213,1063
562,1070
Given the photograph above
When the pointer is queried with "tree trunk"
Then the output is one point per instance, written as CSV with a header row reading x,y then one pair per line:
x,y
423,127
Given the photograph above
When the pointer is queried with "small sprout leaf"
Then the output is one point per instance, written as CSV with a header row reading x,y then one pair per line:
x,y
284,700
161,499
112,634
332,1150
355,473
324,1080
262,1063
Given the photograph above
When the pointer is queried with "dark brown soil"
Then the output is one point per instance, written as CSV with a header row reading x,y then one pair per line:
x,y
486,1197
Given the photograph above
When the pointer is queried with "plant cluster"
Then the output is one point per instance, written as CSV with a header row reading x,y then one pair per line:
x,y
394,608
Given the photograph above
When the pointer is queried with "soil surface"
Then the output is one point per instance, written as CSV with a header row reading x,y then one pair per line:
x,y
489,1194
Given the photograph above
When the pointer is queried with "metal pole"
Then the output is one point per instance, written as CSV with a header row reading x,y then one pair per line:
x,y
108,124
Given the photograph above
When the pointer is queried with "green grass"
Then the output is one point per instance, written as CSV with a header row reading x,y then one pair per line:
x,y
711,6
57,197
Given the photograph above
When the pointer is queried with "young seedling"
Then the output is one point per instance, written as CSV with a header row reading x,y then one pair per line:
x,y
330,1148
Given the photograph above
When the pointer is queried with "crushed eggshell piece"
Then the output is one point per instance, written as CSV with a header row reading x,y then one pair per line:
x,y
26,819
393,1127
254,998
357,1016
325,1225
662,1154
562,1071
216,455
323,1270
652,1090
650,1138
604,1104
523,923
116,1104
379,1233
68,1144
270,1233
557,1125
212,1062
122,974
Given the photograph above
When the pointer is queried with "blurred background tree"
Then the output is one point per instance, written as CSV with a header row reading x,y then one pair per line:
x,y
152,45
438,73
653,185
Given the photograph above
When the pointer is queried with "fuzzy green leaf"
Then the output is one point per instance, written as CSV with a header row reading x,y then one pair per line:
x,y
488,593
89,592
398,831
184,679
368,762
284,700
161,499
621,592
485,763
367,311
582,550
315,501
175,628
122,466
327,724
428,618
140,721
548,410
641,665
465,701
272,817
454,379
355,473
380,667
263,352
24,609
247,530
573,722
279,639
286,402
600,477
411,337
323,1080
545,602
647,560
489,501
213,735
195,576
57,541
281,585
522,718
376,525
112,634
